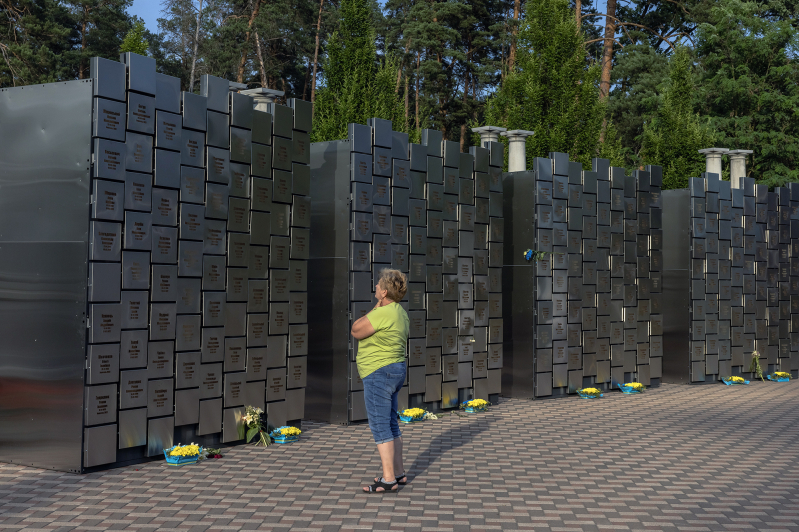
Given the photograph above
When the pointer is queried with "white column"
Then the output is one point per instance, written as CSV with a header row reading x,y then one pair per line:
x,y
713,159
738,167
263,97
488,134
517,154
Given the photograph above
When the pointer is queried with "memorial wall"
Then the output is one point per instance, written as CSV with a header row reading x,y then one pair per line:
x,y
193,213
589,313
431,212
736,263
158,249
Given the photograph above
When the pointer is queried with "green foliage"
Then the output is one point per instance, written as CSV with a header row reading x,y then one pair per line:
x,y
551,91
135,41
357,85
100,26
673,137
638,79
750,89
36,39
754,366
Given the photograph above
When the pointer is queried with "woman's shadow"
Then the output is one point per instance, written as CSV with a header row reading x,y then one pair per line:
x,y
456,437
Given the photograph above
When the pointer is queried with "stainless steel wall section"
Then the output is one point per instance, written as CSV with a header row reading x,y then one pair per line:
x,y
743,278
595,301
194,300
433,213
518,277
45,153
329,280
676,285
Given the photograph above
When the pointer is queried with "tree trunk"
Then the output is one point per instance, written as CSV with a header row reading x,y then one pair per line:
x,y
578,12
316,51
517,9
307,75
407,102
84,23
418,62
607,53
196,46
465,95
261,59
243,61
402,64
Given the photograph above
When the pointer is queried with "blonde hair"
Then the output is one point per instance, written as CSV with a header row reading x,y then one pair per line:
x,y
394,282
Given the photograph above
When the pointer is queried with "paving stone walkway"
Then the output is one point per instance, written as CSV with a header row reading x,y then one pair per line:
x,y
690,458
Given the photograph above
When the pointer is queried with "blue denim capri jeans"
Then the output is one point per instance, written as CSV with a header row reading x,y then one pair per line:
x,y
380,391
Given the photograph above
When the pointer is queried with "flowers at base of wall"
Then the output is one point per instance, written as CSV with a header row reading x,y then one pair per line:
x,y
754,366
632,388
475,405
285,434
209,452
185,450
730,381
780,376
412,415
590,393
183,454
253,424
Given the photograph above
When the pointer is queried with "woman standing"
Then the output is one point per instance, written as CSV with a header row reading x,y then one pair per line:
x,y
382,338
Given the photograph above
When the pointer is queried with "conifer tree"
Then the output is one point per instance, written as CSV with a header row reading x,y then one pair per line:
x,y
36,39
357,85
551,91
135,41
750,86
674,136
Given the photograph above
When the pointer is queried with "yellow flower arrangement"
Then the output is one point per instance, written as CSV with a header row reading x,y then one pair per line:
x,y
414,413
736,379
782,374
185,450
290,431
477,403
637,386
591,391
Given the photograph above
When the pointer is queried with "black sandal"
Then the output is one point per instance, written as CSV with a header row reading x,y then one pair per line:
x,y
401,480
387,488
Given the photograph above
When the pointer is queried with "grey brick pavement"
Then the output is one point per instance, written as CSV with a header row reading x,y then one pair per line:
x,y
677,458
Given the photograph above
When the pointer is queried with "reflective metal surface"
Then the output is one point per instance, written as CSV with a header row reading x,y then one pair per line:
x,y
676,272
43,250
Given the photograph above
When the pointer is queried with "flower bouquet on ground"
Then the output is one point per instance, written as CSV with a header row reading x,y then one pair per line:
x,y
730,381
208,453
286,434
632,387
475,405
754,366
179,455
413,415
253,424
779,376
590,393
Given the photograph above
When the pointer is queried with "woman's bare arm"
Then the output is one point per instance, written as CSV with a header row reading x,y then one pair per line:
x,y
362,328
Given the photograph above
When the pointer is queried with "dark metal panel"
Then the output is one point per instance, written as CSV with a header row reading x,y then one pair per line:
x,y
327,377
676,279
518,285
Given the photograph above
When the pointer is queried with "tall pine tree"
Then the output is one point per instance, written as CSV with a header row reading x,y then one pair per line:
x,y
674,136
750,86
357,84
36,39
551,91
